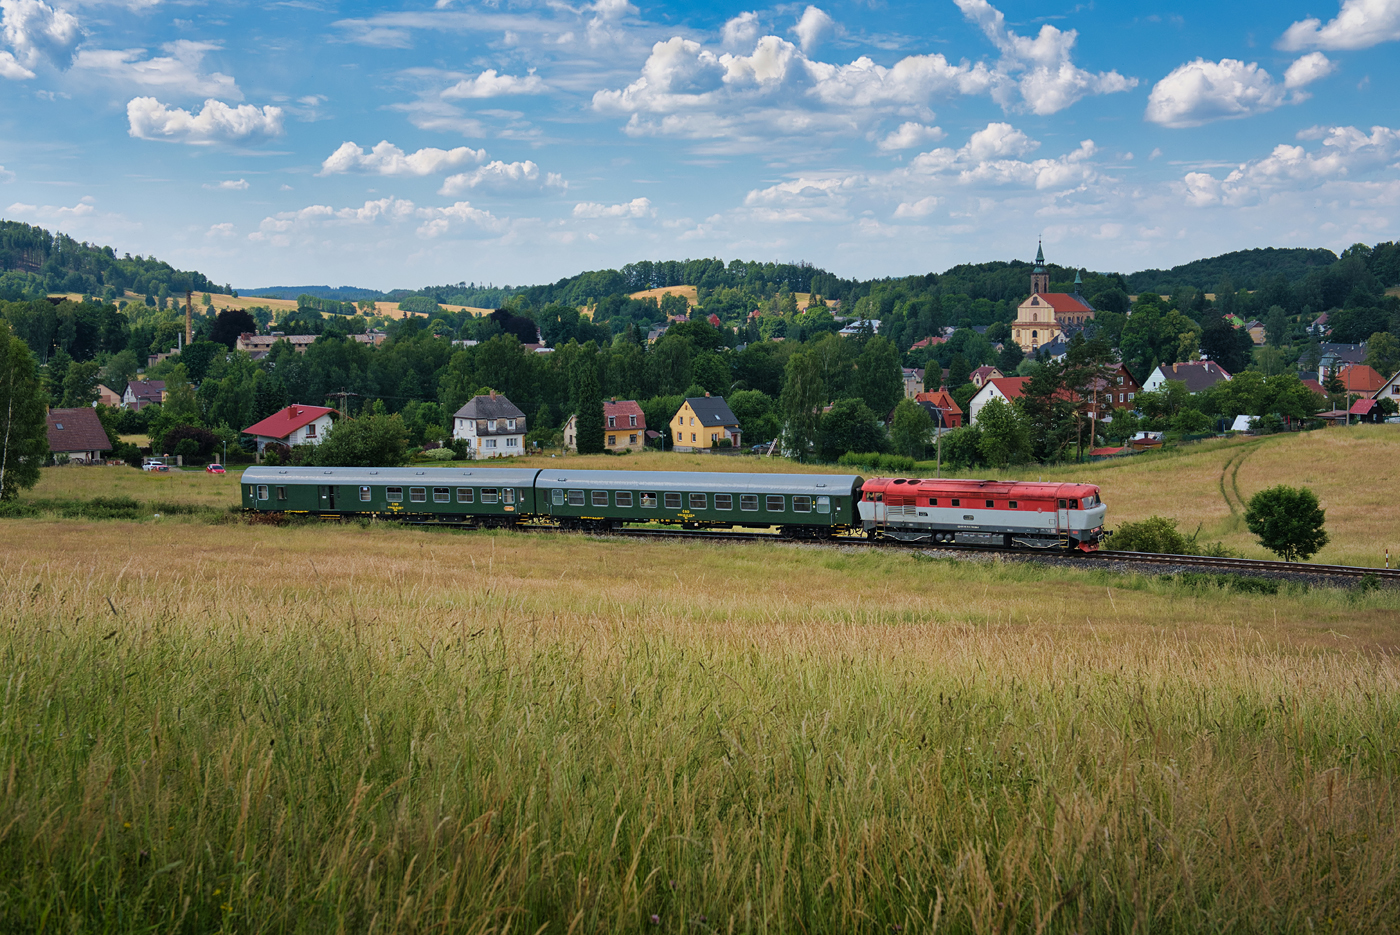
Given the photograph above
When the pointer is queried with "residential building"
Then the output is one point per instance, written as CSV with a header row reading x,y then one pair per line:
x,y
257,345
861,326
702,423
913,382
1319,328
1003,388
1339,355
927,342
292,426
982,374
1389,390
1049,316
944,412
1257,332
77,433
492,425
1196,374
106,396
1121,389
142,393
1359,378
1366,410
624,427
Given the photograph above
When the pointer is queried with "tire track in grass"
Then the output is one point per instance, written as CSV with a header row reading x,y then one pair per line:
x,y
1232,468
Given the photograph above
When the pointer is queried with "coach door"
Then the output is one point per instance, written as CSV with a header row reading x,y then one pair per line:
x,y
327,496
1062,518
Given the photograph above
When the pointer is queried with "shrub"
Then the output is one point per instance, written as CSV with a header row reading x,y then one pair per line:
x,y
439,454
1288,522
1156,534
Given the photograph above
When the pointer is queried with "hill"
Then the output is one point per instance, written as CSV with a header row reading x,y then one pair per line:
x,y
337,293
1247,269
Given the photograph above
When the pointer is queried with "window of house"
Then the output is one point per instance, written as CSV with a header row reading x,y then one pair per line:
x,y
418,494
262,491
364,494
600,498
632,421
623,498
698,501
281,492
490,443
465,495
957,502
311,430
672,501
612,440
1130,395
612,422
692,420
801,504
632,439
512,442
748,501
510,424
774,503
714,437
442,494
648,500
576,498
490,495
692,436
823,504
393,493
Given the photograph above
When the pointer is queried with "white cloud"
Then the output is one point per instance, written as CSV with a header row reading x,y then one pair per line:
x,y
503,176
229,185
918,209
441,220
1201,91
814,26
741,32
12,69
226,229
387,159
909,135
217,123
1039,70
1346,154
1359,24
6,175
86,206
37,31
286,227
180,70
489,84
636,208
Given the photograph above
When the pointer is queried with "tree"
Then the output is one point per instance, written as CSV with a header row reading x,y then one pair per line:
x,y
804,392
1288,521
1005,437
80,384
589,428
850,425
1227,345
910,428
1010,357
229,324
24,436
958,371
878,378
1383,353
375,439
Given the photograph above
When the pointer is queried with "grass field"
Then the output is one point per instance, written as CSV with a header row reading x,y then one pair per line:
x,y
346,729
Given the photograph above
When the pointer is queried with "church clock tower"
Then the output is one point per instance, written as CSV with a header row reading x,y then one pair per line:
x,y
1040,279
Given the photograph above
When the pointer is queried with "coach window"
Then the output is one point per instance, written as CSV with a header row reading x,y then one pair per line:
x,y
1074,504
697,501
490,495
724,501
364,494
775,503
442,495
508,495
648,500
623,498
991,504
1062,504
281,492
673,501
933,501
393,493
418,494
556,497
262,491
465,495
600,498
576,498
801,504
823,504
1011,504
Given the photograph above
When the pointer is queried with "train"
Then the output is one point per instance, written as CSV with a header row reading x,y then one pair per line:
x,y
991,513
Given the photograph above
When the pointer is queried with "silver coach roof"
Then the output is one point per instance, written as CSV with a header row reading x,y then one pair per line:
x,y
815,484
405,476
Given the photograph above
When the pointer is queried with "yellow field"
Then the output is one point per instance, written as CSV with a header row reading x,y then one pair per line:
x,y
223,301
691,294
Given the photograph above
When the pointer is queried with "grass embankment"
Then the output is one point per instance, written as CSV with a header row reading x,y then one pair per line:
x,y
345,729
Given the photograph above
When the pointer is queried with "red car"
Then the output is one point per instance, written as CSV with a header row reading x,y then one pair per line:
x,y
213,469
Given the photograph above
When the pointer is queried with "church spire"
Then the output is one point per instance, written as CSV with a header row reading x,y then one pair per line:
x,y
1039,257
1078,282
1040,279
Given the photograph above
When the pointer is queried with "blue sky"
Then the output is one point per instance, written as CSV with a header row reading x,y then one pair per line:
x,y
399,145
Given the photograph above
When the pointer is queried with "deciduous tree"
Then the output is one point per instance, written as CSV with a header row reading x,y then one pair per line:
x,y
24,439
1288,521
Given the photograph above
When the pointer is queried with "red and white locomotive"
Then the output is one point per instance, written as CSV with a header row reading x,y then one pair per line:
x,y
1009,514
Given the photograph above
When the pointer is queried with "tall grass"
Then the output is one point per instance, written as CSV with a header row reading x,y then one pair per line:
x,y
306,730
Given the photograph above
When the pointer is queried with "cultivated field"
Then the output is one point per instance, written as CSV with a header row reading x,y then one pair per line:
x,y
346,729
221,300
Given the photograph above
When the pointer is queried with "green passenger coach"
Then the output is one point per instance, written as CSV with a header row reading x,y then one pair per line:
x,y
476,496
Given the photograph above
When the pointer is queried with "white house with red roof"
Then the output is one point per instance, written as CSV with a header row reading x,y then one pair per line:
x,y
295,425
1048,316
1003,388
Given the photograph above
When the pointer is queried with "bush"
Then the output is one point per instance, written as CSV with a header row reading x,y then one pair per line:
x,y
1159,535
439,454
900,464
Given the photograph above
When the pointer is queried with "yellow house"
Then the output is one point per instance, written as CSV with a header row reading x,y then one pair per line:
x,y
703,422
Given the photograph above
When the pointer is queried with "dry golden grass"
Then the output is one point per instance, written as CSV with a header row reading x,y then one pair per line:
x,y
83,482
691,294
352,729
220,300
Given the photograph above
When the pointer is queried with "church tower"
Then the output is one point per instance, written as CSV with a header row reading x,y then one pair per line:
x,y
1040,279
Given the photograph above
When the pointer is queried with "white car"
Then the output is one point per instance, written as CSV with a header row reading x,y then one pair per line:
x,y
155,466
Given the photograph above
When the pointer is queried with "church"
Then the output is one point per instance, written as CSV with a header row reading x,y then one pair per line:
x,y
1047,317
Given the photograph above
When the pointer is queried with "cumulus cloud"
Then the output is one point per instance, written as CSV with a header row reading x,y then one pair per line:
x,y
217,123
636,208
442,220
503,176
179,70
1359,24
229,185
282,228
1202,91
741,32
1039,71
86,206
917,209
36,32
814,26
909,135
387,159
1345,153
489,84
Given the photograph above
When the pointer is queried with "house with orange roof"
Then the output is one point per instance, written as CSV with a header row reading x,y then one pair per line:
x,y
1359,378
941,408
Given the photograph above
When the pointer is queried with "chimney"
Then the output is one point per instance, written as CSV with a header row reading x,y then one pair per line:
x,y
493,394
707,394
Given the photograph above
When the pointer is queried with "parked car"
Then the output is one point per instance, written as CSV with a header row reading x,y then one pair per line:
x,y
213,469
155,466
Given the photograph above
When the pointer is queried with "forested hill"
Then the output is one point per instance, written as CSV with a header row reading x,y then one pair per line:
x,y
35,262
1244,269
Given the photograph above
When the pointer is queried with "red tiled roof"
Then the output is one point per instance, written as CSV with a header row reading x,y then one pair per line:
x,y
1010,387
1062,302
1105,452
1315,387
1359,378
77,430
623,408
927,342
1363,406
286,421
940,398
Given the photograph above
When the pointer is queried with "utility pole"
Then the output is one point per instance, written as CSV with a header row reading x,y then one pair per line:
x,y
343,396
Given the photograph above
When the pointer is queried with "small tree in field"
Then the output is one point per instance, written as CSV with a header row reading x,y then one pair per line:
x,y
1288,522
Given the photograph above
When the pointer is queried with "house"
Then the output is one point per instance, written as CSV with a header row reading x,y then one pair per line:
x,y
1316,387
861,326
1366,410
492,425
624,427
294,425
1256,332
1121,388
142,393
78,433
982,374
913,382
1339,355
702,423
1196,374
1390,390
941,408
655,334
106,396
1359,378
1048,316
927,342
1003,388
257,345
